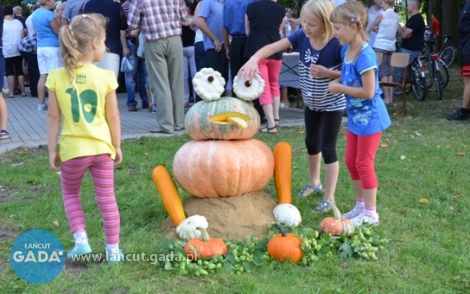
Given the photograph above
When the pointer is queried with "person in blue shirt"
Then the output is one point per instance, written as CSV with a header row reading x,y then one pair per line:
x,y
72,9
209,21
233,26
367,114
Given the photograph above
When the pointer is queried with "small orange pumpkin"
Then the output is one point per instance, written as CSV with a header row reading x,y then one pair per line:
x,y
205,247
285,247
336,225
219,168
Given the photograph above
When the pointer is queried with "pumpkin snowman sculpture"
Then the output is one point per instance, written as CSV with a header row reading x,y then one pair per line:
x,y
223,160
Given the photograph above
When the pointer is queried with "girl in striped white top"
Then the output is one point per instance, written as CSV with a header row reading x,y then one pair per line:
x,y
319,63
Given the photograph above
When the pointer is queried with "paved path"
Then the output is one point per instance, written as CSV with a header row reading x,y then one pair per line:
x,y
28,127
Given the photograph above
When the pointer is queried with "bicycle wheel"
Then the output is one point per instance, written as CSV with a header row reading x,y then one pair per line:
x,y
448,55
444,74
418,83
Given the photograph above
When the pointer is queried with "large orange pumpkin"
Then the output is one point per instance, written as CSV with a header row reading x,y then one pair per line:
x,y
207,120
223,168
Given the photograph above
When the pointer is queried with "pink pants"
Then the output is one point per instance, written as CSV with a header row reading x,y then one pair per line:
x,y
270,70
360,157
102,172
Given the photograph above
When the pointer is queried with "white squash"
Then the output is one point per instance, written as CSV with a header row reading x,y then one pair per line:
x,y
287,214
248,90
187,229
209,84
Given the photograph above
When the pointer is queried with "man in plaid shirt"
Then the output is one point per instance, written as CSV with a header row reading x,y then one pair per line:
x,y
160,22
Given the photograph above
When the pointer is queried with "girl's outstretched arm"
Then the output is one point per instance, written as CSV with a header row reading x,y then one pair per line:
x,y
53,126
367,91
248,70
114,123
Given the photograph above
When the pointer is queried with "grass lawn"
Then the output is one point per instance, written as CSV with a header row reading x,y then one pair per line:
x,y
423,201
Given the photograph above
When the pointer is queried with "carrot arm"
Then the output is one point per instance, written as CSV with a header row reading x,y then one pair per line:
x,y
170,196
283,171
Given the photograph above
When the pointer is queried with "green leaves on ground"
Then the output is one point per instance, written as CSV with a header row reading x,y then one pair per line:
x,y
244,256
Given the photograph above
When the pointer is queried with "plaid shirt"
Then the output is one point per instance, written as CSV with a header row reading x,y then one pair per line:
x,y
160,18
28,44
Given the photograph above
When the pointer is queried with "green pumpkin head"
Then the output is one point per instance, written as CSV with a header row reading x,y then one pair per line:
x,y
227,118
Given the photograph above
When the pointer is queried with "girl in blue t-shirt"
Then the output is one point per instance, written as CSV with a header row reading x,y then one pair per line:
x,y
367,115
319,64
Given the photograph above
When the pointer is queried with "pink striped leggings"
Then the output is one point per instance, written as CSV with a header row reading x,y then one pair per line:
x,y
102,172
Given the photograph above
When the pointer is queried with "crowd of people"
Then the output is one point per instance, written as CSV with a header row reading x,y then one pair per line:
x,y
77,50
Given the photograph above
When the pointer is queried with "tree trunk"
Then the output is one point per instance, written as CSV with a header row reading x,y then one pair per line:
x,y
449,19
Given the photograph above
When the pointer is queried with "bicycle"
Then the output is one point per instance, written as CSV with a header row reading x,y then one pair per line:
x,y
416,79
437,74
448,51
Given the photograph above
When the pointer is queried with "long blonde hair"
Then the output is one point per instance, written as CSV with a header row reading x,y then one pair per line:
x,y
351,12
321,9
77,37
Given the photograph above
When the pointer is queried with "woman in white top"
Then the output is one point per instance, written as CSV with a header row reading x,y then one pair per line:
x,y
372,13
386,25
12,35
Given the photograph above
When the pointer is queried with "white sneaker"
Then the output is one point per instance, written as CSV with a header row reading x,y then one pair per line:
x,y
42,107
366,217
357,210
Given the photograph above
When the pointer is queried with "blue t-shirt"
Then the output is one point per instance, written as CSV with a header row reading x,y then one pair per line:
x,y
365,116
72,9
234,16
42,24
315,91
212,11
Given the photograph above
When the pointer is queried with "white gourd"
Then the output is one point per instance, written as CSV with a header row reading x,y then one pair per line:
x,y
248,90
287,214
209,84
187,229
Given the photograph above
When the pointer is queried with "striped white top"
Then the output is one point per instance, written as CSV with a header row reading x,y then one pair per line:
x,y
316,94
315,91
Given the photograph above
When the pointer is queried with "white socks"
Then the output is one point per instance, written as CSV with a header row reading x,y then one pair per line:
x,y
112,248
80,239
